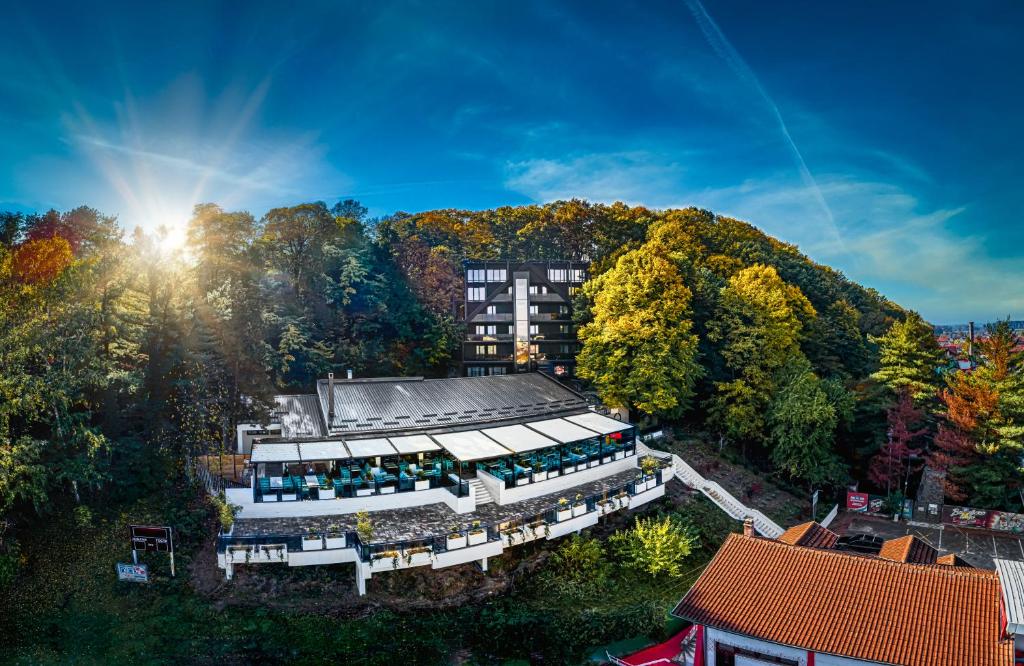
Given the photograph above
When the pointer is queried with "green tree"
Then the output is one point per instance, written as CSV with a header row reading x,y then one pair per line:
x,y
654,546
909,358
639,349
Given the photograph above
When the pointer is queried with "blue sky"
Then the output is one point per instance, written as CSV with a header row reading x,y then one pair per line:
x,y
883,138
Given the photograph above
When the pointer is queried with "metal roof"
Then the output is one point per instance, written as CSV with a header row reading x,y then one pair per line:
x,y
411,403
413,444
299,416
562,430
282,452
519,438
326,450
369,448
471,445
1011,580
598,423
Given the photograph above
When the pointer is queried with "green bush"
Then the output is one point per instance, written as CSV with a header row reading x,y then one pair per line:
x,y
654,545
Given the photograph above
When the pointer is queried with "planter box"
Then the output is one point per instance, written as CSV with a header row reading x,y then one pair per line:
x,y
570,468
456,542
270,497
606,506
326,493
552,473
336,542
287,497
513,537
622,501
416,559
421,484
312,544
386,563
606,460
387,490
364,492
640,486
522,480
540,476
477,537
563,514
578,509
619,455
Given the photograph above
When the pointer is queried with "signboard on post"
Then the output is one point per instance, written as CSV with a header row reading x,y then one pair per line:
x,y
133,573
857,501
151,539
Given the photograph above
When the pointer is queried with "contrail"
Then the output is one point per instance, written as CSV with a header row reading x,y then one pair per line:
x,y
725,50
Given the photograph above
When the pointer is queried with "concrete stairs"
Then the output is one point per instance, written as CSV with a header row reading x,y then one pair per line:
x,y
716,493
480,492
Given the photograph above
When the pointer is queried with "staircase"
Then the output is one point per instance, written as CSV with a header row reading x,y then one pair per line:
x,y
716,493
480,492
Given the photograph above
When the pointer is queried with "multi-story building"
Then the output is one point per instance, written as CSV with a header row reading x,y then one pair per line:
x,y
518,317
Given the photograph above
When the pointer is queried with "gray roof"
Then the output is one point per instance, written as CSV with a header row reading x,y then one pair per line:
x,y
299,416
413,403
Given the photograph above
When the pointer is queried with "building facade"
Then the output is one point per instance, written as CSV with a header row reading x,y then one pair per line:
x,y
518,317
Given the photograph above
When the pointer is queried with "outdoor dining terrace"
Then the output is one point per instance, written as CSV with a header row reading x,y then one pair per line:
x,y
549,463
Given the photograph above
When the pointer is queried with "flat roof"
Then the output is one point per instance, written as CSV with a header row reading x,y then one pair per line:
x,y
471,445
1011,579
326,450
562,430
413,444
369,448
518,438
599,423
276,452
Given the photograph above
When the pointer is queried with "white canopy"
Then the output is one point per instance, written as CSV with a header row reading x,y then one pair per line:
x,y
327,450
1011,582
519,438
471,445
277,452
599,423
369,448
562,430
414,444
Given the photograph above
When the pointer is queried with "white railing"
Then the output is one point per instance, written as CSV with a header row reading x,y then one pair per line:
x,y
717,494
831,516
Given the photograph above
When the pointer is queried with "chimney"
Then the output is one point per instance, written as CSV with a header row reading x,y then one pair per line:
x,y
350,373
330,399
970,340
748,526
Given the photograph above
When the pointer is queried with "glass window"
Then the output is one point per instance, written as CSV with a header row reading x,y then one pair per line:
x,y
492,309
500,370
534,309
573,291
565,349
476,293
577,275
487,350
534,329
475,371
495,274
475,275
556,274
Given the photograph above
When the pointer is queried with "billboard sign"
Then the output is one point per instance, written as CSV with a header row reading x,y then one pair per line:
x,y
133,573
151,539
857,501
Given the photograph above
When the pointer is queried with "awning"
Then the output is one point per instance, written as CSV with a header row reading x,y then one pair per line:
x,y
369,448
471,445
277,452
562,430
1011,583
519,438
413,444
599,423
327,450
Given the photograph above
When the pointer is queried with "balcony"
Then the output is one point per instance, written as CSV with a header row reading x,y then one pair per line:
x,y
550,316
491,318
489,337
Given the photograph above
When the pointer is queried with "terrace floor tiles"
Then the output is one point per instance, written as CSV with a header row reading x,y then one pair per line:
x,y
428,520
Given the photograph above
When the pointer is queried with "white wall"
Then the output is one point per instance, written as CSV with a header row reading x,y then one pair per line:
x,y
503,495
342,505
712,636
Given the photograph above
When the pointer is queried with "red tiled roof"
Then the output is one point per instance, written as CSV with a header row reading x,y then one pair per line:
x,y
848,605
809,534
908,549
952,560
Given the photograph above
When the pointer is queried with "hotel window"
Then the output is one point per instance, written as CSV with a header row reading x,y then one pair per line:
x,y
487,330
500,370
563,309
534,309
556,274
574,290
538,289
576,275
534,329
487,350
563,329
475,275
492,309
476,293
564,349
475,371
495,274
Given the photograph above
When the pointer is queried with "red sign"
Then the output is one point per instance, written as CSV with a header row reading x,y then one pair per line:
x,y
856,501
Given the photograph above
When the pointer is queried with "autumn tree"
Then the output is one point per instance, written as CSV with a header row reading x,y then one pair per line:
x,y
891,467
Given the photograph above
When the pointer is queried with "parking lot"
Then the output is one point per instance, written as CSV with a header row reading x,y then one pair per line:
x,y
977,547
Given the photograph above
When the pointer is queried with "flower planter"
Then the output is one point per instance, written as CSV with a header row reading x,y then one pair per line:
x,y
606,506
607,459
570,468
336,541
364,492
641,486
326,493
563,514
270,497
512,537
477,536
618,455
622,501
386,561
416,559
422,484
552,473
455,542
387,490
287,497
540,476
578,509
312,544
522,480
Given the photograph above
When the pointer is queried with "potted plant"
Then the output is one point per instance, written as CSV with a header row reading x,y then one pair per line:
x,y
564,511
367,487
385,558
579,506
312,541
334,537
510,535
326,490
622,499
538,472
605,506
421,482
456,539
418,556
476,534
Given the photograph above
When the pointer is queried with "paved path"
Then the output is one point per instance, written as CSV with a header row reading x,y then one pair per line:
x,y
977,547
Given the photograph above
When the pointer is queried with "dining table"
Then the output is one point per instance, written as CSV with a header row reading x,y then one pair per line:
x,y
276,482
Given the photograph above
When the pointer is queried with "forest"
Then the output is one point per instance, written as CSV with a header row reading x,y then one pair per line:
x,y
123,356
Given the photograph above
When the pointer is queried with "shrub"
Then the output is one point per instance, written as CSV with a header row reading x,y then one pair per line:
x,y
654,546
580,559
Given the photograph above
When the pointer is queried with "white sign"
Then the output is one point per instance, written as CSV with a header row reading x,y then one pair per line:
x,y
133,573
